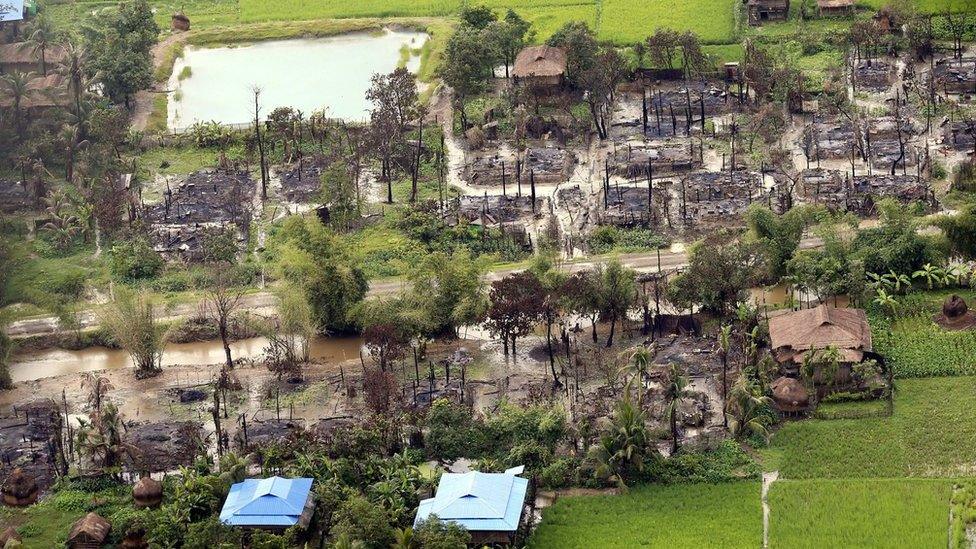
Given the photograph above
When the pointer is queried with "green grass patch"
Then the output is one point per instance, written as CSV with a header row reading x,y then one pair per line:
x,y
628,21
909,513
915,346
666,517
930,434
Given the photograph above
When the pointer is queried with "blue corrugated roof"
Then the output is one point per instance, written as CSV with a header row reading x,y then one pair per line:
x,y
269,502
478,501
16,11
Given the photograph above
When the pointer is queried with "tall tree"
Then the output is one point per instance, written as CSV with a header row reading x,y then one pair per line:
x,y
394,104
619,291
675,391
516,304
121,50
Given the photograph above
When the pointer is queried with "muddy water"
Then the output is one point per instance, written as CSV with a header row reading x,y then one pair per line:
x,y
55,362
330,73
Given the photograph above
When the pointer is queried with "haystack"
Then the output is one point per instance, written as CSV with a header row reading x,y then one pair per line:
x,y
20,490
955,314
10,534
789,394
89,532
147,493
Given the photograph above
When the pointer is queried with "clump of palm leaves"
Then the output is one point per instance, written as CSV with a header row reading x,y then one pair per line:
x,y
64,223
623,448
748,410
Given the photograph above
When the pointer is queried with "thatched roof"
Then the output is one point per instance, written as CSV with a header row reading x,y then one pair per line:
x,y
835,4
540,61
955,314
42,91
147,492
819,328
24,53
789,394
90,529
20,485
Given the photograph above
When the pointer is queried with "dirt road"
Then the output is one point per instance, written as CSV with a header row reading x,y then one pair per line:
x,y
264,302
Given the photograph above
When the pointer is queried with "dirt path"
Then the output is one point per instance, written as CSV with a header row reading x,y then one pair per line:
x,y
767,480
142,106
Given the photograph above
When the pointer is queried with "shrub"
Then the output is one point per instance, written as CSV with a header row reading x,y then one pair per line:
x,y
359,519
559,473
607,238
134,259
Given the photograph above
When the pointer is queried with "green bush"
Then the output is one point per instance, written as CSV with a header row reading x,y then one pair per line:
x,y
134,259
560,473
608,238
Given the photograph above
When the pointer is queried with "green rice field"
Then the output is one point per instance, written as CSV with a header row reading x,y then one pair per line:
x,y
664,517
909,513
931,434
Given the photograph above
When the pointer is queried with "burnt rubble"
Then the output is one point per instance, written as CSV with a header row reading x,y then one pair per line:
x,y
205,201
494,209
546,165
828,140
960,135
163,446
874,75
301,183
14,197
956,77
718,197
627,206
866,190
631,159
671,112
30,439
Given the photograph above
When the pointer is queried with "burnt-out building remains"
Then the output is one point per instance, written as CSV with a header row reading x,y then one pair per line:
x,y
636,205
670,111
495,209
638,159
301,183
867,190
710,197
874,75
828,140
955,76
538,165
205,202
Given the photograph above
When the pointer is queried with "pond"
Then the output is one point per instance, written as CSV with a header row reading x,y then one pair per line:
x,y
54,362
310,74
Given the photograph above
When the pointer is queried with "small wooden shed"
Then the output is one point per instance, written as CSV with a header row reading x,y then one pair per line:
x,y
768,11
90,532
20,489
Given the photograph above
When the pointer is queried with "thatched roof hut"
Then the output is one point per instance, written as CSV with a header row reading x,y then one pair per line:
x,y
794,335
147,493
10,534
789,394
540,65
180,22
20,489
955,314
89,532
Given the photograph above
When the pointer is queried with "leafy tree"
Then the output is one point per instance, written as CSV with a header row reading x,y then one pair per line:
x,y
584,292
896,244
359,519
121,50
581,46
339,194
394,100
435,533
469,58
717,276
617,297
779,235
960,231
510,34
451,289
516,304
478,17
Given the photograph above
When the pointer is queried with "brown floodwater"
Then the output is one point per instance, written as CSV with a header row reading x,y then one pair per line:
x,y
55,362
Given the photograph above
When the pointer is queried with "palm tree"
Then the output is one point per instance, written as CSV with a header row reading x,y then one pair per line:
x,y
18,88
724,337
64,225
674,392
932,274
623,447
746,405
405,539
40,37
637,367
886,301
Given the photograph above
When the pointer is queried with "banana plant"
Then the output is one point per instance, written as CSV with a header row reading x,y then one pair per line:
x,y
932,274
886,301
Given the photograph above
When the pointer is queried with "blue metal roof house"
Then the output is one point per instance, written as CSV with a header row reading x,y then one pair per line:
x,y
488,505
11,10
269,503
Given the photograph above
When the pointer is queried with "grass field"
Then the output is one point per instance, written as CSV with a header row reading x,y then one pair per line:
x,y
932,433
917,347
909,513
665,517
628,21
